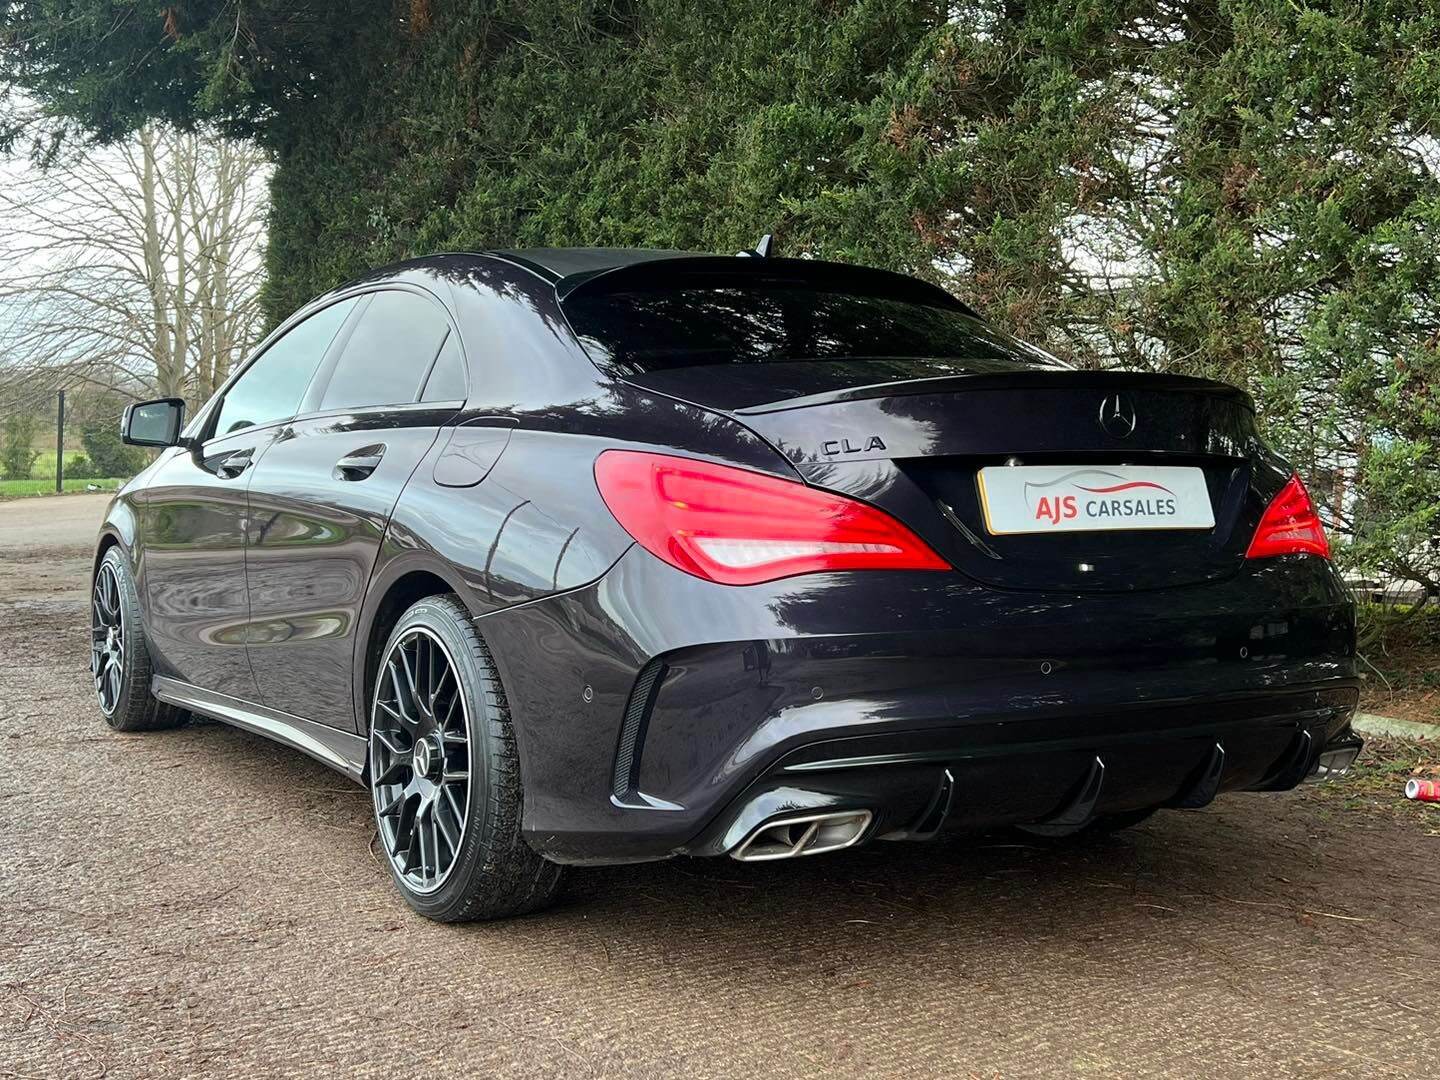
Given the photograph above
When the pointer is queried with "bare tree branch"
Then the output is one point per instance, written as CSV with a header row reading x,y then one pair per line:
x,y
134,267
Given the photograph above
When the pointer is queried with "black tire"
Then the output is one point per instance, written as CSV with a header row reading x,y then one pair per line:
x,y
493,873
120,663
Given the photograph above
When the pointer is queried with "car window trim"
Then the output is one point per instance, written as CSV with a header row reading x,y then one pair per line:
x,y
310,400
315,393
371,410
464,367
202,428
464,364
208,443
430,367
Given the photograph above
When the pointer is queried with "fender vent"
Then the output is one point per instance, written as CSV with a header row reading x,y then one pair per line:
x,y
632,731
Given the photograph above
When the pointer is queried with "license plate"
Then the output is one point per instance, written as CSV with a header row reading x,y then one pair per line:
x,y
1071,498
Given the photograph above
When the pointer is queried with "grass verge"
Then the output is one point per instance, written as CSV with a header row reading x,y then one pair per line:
x,y
19,489
1376,784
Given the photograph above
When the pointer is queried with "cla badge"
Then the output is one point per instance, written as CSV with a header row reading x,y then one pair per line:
x,y
1117,416
845,446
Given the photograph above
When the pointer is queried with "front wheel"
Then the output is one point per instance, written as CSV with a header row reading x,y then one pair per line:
x,y
119,654
445,776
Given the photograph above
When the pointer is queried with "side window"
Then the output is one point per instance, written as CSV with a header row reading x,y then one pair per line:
x,y
447,377
388,353
273,385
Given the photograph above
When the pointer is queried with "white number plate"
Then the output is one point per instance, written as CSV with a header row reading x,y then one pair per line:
x,y
1075,498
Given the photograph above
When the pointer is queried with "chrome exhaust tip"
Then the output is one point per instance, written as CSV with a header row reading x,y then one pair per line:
x,y
803,834
1336,758
1333,764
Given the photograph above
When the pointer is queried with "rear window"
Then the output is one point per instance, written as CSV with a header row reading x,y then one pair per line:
x,y
388,353
655,328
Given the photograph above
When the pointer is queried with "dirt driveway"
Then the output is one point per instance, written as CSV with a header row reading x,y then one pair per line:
x,y
203,902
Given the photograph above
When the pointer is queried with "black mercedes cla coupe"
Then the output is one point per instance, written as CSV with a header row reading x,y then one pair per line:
x,y
592,556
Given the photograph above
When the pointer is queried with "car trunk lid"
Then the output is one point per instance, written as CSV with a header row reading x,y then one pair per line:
x,y
915,447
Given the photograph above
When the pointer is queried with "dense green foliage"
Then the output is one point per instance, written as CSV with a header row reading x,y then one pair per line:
x,y
78,467
96,414
1243,188
106,454
16,456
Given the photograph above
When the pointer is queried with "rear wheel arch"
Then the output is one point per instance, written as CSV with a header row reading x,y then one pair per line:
x,y
387,601
492,871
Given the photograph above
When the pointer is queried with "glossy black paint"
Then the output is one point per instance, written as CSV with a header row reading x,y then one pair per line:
x,y
315,531
976,672
190,560
270,560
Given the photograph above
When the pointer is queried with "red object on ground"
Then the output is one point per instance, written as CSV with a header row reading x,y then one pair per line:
x,y
1423,790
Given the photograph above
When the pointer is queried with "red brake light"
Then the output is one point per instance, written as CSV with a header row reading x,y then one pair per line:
x,y
1290,526
738,527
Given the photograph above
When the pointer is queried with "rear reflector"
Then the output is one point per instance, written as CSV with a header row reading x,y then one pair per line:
x,y
738,527
1290,526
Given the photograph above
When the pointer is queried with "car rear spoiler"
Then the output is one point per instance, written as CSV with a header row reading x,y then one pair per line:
x,y
719,268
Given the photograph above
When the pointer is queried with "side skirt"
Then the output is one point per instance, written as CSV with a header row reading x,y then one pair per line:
x,y
340,750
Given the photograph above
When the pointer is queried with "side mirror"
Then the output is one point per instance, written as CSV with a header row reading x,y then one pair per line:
x,y
153,423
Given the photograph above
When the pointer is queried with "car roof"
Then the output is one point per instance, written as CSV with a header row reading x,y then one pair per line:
x,y
570,269
556,263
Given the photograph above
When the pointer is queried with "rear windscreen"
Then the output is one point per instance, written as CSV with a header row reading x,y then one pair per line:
x,y
654,328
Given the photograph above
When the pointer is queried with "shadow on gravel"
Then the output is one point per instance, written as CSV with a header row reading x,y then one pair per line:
x,y
1249,858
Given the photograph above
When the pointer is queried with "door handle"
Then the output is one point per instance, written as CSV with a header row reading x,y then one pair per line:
x,y
360,464
232,465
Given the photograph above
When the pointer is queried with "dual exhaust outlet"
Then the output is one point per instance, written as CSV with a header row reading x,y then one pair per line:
x,y
815,833
803,834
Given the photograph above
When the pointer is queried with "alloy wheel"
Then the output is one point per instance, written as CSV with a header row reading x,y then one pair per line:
x,y
420,760
107,638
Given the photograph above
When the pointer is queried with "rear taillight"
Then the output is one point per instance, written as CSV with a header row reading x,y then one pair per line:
x,y
738,527
1290,526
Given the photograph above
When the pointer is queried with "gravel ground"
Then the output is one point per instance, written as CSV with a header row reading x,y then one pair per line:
x,y
203,902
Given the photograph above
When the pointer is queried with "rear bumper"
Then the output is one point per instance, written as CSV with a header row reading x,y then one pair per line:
x,y
1065,771
657,714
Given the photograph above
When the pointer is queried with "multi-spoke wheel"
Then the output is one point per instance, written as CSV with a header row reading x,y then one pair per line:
x,y
119,656
107,638
444,775
420,757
